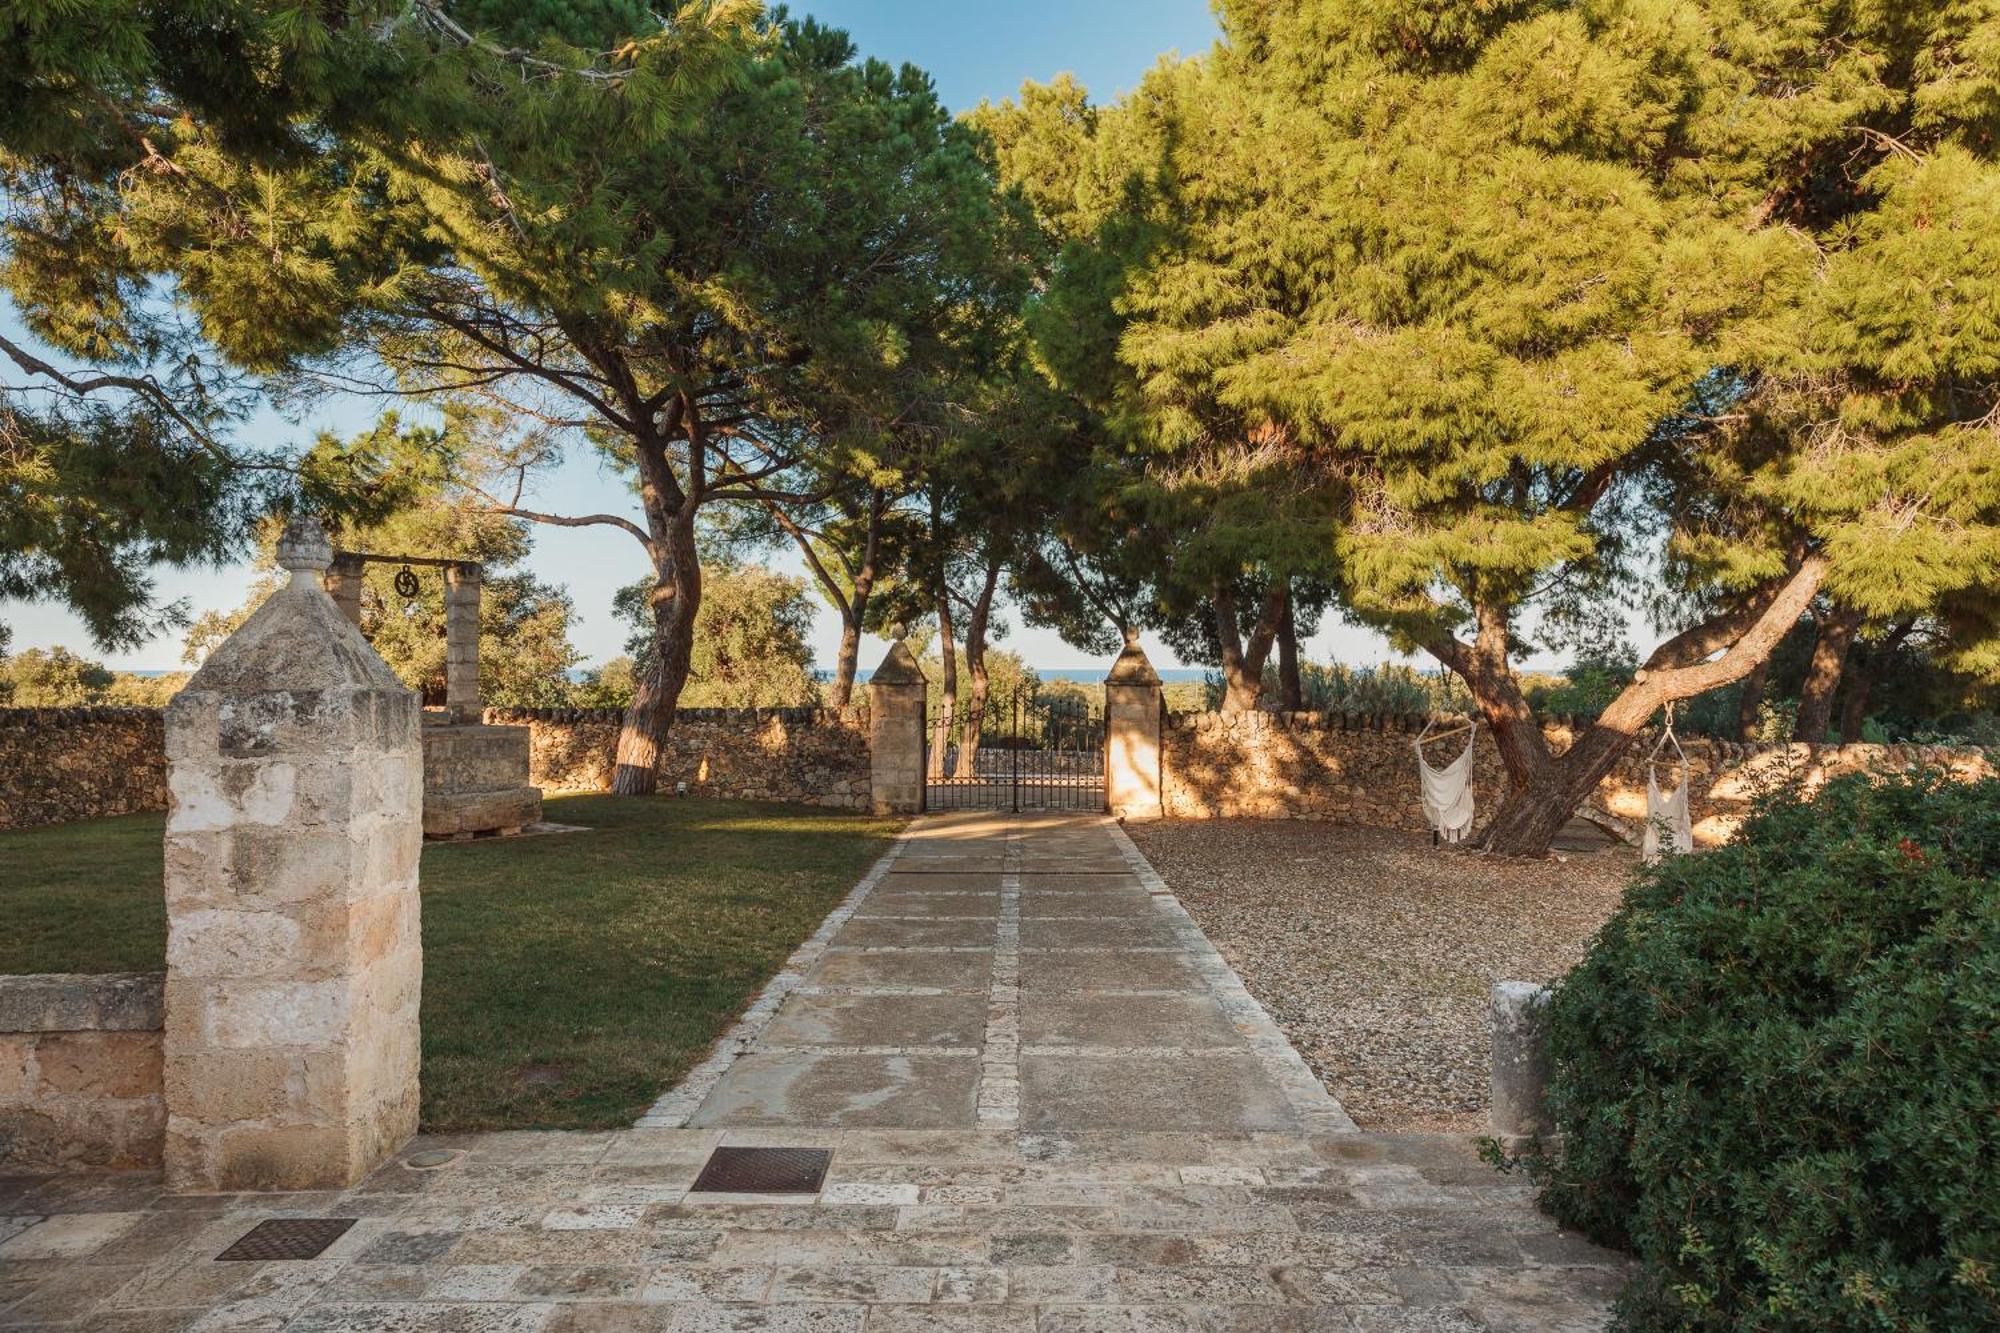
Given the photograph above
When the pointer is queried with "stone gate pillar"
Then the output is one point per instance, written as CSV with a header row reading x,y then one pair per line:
x,y
343,584
293,957
896,734
1132,710
462,586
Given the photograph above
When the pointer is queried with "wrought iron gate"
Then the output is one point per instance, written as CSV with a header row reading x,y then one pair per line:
x,y
1024,751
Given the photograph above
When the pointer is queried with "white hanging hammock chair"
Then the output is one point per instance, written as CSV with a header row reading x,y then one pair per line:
x,y
1447,791
1669,824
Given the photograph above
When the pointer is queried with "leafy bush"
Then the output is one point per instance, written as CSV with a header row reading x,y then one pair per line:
x,y
1778,1071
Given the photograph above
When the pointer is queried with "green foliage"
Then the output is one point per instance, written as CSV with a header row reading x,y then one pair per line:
x,y
52,678
752,644
525,655
1775,1076
1587,687
1334,688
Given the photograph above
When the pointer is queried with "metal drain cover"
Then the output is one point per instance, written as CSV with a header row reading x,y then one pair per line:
x,y
764,1171
288,1238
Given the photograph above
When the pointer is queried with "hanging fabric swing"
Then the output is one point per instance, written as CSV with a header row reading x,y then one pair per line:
x,y
1667,815
1447,791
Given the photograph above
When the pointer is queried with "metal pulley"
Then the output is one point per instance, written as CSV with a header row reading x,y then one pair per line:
x,y
406,582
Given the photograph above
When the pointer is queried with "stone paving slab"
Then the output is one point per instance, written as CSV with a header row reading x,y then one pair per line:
x,y
1042,1119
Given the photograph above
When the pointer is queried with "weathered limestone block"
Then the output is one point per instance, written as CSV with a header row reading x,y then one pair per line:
x,y
1519,1107
80,1075
476,780
896,712
1133,708
294,960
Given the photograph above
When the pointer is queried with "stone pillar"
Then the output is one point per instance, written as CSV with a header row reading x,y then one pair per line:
x,y
294,960
462,585
896,734
1133,702
1520,1062
343,584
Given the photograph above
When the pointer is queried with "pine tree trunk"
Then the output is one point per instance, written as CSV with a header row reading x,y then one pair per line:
x,y
948,719
975,662
846,665
1544,791
1243,663
1861,677
676,600
1837,629
1291,689
1750,704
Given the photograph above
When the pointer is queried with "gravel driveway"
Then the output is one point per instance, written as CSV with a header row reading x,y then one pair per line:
x,y
1374,951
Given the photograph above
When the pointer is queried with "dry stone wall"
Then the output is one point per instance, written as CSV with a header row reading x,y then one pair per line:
x,y
63,764
806,756
1362,770
80,1072
58,765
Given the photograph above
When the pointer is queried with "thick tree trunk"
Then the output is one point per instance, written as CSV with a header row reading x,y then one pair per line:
x,y
854,606
1861,678
1291,689
1544,791
1750,704
947,725
846,664
675,601
1837,629
976,626
1243,663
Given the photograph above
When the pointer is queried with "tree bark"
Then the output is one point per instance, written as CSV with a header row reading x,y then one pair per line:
x,y
1544,791
975,662
1750,704
1243,663
1861,678
854,607
1837,629
1291,689
675,602
947,722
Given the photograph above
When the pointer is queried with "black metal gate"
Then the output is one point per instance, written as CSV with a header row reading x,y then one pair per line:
x,y
1025,751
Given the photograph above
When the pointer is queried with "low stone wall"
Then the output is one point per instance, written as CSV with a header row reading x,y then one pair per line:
x,y
63,764
806,756
1362,770
80,1072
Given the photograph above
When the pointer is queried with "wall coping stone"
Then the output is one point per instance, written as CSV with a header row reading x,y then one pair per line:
x,y
70,1002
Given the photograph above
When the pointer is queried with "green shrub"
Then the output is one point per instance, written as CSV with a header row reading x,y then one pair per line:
x,y
1778,1072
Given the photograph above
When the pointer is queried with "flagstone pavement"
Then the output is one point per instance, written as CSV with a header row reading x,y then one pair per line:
x,y
1051,1108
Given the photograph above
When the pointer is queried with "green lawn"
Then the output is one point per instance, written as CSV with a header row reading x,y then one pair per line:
x,y
567,980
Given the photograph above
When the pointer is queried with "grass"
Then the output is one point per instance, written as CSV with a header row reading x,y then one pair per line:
x,y
567,980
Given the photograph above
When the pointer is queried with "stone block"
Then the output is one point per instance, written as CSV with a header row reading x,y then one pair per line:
x,y
481,811
113,1001
108,1065
1520,1061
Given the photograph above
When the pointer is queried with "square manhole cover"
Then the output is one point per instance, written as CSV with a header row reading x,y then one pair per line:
x,y
764,1171
288,1238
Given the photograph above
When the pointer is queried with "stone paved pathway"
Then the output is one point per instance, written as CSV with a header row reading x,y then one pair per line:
x,y
1052,1108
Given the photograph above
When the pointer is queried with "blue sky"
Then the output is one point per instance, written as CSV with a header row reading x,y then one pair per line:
x,y
975,51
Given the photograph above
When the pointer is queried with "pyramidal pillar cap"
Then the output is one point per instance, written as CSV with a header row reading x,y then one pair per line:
x,y
1133,667
899,667
304,548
